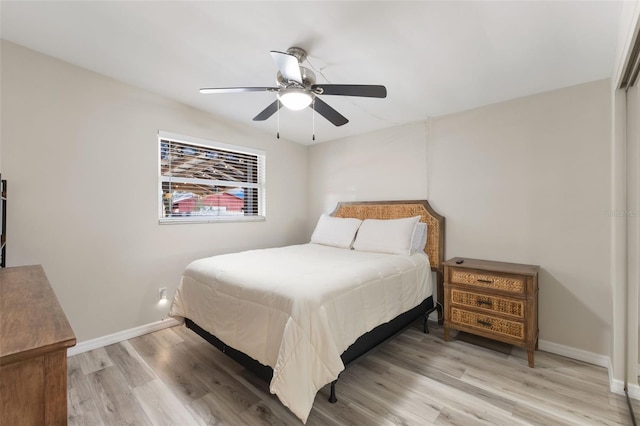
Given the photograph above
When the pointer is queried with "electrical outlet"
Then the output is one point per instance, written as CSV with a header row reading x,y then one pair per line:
x,y
162,294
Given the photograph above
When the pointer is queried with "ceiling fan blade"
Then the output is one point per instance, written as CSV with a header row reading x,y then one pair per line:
x,y
209,90
268,111
328,112
365,90
288,66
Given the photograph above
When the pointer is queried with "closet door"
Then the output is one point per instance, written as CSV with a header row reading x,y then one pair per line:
x,y
633,139
3,223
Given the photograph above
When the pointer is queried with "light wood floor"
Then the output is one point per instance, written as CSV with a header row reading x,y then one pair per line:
x,y
173,377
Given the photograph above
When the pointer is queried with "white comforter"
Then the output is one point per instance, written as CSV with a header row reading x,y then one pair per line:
x,y
297,308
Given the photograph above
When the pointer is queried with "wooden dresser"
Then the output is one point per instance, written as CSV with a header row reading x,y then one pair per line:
x,y
496,300
34,337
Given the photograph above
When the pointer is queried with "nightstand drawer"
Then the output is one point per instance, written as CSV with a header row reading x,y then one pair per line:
x,y
513,284
503,305
489,323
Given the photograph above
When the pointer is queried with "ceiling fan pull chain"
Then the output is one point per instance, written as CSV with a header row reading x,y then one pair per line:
x,y
278,117
313,119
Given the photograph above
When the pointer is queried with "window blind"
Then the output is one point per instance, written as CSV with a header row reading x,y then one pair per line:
x,y
210,182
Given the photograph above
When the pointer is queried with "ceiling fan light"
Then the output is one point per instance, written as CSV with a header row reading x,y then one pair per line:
x,y
295,99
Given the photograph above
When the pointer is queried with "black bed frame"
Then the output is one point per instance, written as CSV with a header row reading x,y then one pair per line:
x,y
359,348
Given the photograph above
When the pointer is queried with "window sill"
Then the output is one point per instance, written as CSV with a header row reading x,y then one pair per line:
x,y
192,220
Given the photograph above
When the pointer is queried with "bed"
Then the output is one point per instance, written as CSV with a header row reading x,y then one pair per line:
x,y
297,315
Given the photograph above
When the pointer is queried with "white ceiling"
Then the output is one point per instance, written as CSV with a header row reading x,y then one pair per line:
x,y
434,57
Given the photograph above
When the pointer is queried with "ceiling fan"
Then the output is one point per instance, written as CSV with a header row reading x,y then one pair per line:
x,y
297,88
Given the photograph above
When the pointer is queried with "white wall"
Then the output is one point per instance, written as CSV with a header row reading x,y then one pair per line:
x,y
521,181
80,153
528,181
384,165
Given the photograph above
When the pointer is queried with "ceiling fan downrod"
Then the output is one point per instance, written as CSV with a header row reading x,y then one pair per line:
x,y
298,52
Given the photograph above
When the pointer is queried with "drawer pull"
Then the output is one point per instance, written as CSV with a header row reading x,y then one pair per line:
x,y
485,281
485,323
484,302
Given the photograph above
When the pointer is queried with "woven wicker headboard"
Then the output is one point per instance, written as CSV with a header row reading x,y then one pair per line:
x,y
399,209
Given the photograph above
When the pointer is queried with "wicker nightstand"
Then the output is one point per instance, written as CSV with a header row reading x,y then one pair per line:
x,y
496,300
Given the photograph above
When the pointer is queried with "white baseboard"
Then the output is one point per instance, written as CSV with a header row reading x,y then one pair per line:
x,y
110,339
578,354
634,391
617,386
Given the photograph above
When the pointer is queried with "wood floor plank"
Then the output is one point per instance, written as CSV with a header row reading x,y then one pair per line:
x,y
346,411
575,380
116,402
536,394
235,394
263,413
211,410
135,369
619,403
420,357
398,359
161,406
451,416
455,400
435,394
81,406
174,377
175,365
387,399
167,337
268,410
539,417
197,343
94,360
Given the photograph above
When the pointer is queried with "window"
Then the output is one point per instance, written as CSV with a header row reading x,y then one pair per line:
x,y
205,181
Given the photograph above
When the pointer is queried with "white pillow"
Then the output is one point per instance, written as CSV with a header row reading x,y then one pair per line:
x,y
386,236
335,231
419,239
